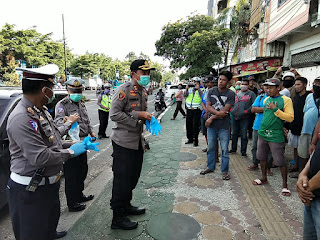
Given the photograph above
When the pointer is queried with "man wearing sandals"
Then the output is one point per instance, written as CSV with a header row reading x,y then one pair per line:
x,y
277,109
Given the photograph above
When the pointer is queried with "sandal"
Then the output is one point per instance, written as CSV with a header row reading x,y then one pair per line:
x,y
286,192
258,182
226,177
253,167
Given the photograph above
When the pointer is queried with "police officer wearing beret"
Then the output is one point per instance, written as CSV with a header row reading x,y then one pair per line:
x,y
37,155
129,112
76,169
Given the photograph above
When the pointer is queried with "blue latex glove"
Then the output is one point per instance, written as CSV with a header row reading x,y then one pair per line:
x,y
89,145
78,148
148,127
74,125
155,126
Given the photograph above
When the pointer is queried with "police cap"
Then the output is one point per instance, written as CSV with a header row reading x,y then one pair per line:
x,y
140,64
44,73
75,85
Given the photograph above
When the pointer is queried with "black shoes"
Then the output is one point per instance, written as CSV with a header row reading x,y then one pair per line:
x,y
189,142
131,210
232,151
103,136
58,235
86,198
120,221
77,207
196,143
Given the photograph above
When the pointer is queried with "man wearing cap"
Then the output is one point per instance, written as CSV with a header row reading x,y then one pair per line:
x,y
76,169
104,103
277,109
129,112
193,105
37,155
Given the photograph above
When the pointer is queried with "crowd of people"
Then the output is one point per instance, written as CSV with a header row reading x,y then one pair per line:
x,y
274,112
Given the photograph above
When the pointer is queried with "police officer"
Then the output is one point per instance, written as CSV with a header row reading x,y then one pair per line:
x,y
104,102
193,105
129,112
76,169
37,154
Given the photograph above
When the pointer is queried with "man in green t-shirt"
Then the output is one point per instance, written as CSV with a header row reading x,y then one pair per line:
x,y
277,109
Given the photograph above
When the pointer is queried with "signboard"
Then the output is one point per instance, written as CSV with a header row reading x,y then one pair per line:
x,y
256,67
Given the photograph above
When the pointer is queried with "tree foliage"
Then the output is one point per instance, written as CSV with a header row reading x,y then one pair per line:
x,y
193,43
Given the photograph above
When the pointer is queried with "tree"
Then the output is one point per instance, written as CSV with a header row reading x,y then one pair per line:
x,y
86,65
192,43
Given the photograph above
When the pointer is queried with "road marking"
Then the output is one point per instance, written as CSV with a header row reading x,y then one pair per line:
x,y
100,152
96,125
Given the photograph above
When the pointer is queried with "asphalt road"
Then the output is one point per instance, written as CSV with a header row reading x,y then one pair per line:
x,y
99,169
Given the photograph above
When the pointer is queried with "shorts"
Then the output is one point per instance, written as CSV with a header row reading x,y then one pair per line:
x,y
304,144
277,151
293,140
203,126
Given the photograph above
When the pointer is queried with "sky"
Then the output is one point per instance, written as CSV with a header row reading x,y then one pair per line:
x,y
101,26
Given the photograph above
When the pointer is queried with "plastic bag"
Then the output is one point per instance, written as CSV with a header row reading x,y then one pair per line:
x,y
74,132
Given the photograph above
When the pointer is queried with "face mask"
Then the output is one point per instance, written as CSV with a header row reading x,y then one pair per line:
x,y
179,87
76,97
107,91
288,83
238,87
50,100
316,90
144,80
243,88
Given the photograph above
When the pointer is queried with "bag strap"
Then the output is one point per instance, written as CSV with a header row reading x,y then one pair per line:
x,y
220,99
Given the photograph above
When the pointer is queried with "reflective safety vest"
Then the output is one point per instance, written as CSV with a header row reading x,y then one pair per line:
x,y
193,100
106,102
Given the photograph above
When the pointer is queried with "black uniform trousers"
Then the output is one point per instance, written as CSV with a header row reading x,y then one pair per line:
x,y
75,173
179,108
127,164
193,124
103,119
34,215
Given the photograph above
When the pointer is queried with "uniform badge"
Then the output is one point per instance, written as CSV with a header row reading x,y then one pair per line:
x,y
76,83
122,95
34,125
51,138
41,118
30,110
133,104
135,88
60,109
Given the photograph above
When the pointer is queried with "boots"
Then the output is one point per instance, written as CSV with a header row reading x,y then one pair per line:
x,y
132,210
120,221
196,142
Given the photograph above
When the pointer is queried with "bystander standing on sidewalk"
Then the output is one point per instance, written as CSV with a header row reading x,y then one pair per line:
x,y
296,125
241,117
219,102
257,108
277,109
179,100
104,103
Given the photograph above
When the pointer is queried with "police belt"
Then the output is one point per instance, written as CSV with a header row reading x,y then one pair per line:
x,y
24,180
192,108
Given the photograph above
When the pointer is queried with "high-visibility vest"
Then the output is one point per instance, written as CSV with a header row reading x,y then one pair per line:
x,y
193,100
106,102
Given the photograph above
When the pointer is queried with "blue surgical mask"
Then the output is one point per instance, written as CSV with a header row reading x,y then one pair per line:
x,y
76,97
144,80
179,87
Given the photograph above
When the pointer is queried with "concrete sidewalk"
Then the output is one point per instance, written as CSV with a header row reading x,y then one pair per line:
x,y
182,204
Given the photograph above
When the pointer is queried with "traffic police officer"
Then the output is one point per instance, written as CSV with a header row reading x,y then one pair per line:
x,y
104,102
37,154
129,112
76,169
193,105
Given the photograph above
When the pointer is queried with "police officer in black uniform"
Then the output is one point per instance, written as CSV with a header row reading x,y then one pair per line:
x,y
129,112
76,169
37,155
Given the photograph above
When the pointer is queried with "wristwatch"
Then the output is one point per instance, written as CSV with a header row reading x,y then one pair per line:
x,y
140,121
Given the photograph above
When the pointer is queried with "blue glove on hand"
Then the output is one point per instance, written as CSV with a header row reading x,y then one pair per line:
x,y
155,126
89,145
148,127
78,148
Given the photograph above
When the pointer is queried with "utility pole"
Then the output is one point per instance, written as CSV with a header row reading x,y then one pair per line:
x,y
64,47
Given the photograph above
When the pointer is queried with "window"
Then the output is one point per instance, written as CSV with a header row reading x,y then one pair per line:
x,y
281,2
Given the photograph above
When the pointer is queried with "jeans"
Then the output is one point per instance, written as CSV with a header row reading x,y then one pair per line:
x,y
240,126
311,221
223,135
